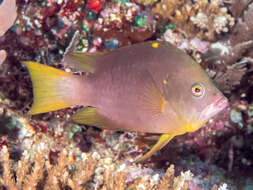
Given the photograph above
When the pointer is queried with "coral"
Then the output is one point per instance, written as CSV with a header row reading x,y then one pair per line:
x,y
47,151
232,77
3,56
51,160
40,172
130,24
237,46
230,56
146,2
201,19
237,7
196,47
170,182
114,180
194,44
95,5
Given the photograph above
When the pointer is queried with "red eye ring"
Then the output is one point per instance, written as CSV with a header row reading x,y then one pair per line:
x,y
198,89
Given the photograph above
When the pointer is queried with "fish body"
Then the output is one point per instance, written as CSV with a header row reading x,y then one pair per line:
x,y
148,87
7,15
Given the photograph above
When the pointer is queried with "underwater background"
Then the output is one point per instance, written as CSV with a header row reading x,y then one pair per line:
x,y
48,151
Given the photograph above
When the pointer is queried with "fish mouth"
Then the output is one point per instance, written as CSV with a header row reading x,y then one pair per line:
x,y
221,103
208,112
214,108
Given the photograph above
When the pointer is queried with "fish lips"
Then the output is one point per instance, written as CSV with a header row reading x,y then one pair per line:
x,y
214,108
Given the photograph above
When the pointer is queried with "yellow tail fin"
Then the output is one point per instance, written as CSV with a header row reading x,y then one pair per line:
x,y
50,88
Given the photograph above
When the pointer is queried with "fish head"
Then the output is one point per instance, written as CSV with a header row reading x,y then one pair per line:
x,y
193,97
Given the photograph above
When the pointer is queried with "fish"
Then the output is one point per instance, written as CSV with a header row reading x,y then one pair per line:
x,y
8,15
150,87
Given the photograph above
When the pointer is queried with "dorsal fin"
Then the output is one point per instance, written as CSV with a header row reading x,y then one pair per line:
x,y
84,61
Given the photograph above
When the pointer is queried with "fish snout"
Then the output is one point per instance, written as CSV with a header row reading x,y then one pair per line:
x,y
221,103
214,108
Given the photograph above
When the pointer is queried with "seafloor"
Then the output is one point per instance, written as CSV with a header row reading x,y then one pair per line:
x,y
48,151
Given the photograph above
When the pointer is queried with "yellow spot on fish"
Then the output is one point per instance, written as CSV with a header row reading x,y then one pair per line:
x,y
165,82
155,45
163,103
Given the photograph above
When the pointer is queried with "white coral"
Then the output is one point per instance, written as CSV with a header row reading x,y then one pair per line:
x,y
220,23
223,187
201,20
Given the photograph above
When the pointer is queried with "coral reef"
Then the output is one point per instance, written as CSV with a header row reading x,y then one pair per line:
x,y
201,19
146,2
130,24
233,54
39,173
218,156
3,56
78,173
46,155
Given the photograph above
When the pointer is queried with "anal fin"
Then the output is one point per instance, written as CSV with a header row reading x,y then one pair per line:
x,y
163,140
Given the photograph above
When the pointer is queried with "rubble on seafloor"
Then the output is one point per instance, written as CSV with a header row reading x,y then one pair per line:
x,y
48,151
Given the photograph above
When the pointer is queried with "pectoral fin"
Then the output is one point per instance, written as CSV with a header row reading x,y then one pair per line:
x,y
151,97
164,139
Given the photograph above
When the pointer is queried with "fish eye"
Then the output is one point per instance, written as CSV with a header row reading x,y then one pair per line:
x,y
198,89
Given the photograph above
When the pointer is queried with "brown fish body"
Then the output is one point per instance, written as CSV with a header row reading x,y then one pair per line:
x,y
123,80
118,87
149,87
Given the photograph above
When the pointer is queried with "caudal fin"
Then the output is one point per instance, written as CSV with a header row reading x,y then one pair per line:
x,y
52,88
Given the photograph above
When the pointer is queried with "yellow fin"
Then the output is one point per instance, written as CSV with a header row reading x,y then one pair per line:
x,y
90,116
46,92
84,61
163,140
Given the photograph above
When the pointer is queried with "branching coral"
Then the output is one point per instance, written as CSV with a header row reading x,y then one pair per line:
x,y
231,54
202,18
170,182
40,174
114,180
